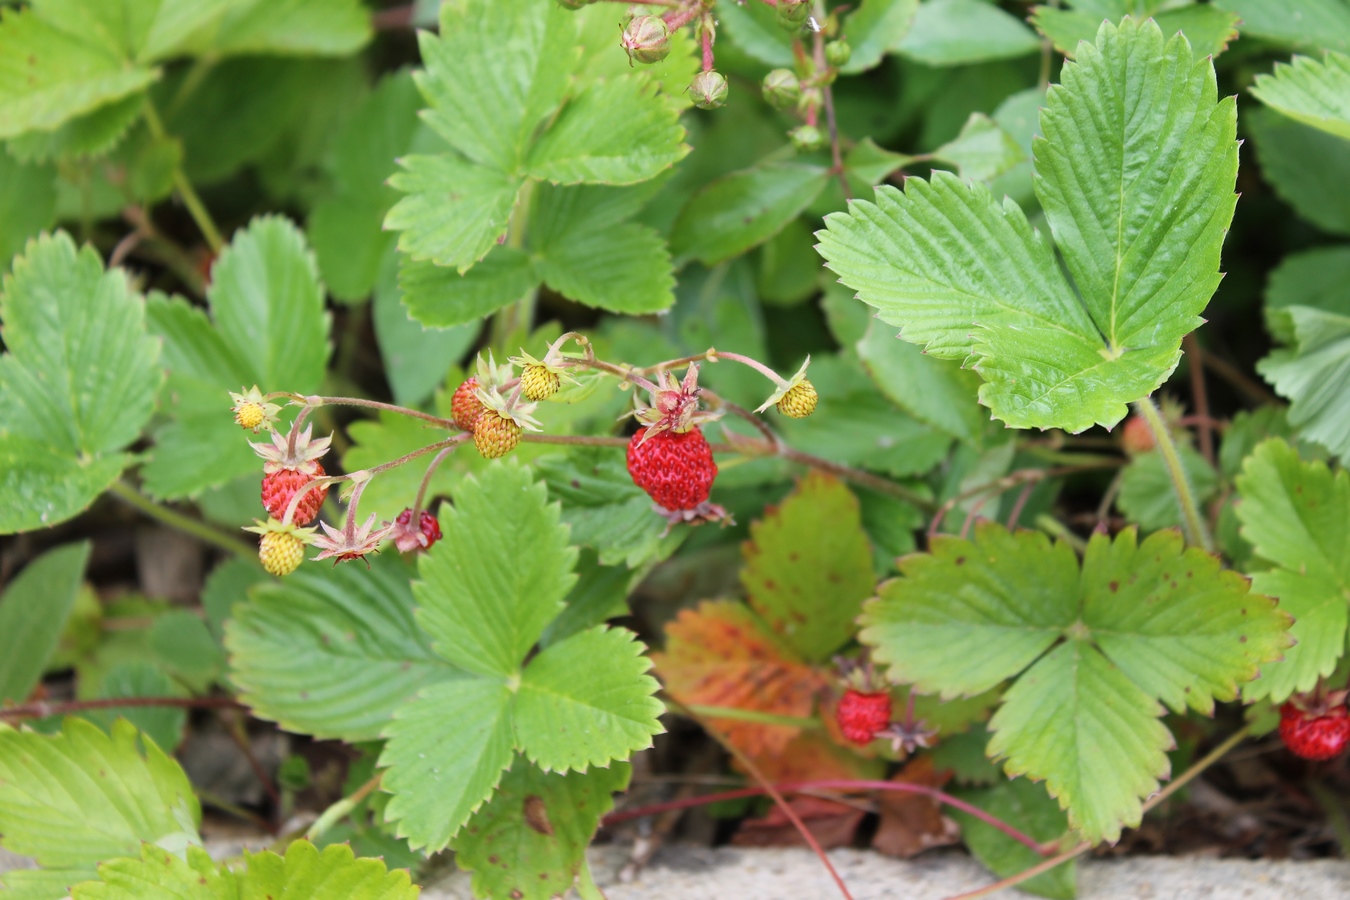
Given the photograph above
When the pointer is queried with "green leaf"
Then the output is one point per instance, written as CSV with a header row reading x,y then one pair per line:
x,y
754,28
935,391
808,567
440,297
1026,806
957,32
529,841
163,725
27,204
226,586
183,642
57,73
160,874
965,277
1313,278
33,613
76,386
874,29
446,750
601,593
1314,93
1297,516
333,874
454,211
586,251
585,146
1141,623
332,652
1312,372
744,209
1306,24
1249,428
587,700
76,798
1208,28
1147,496
1306,167
267,327
290,27
983,150
92,134
482,598
416,358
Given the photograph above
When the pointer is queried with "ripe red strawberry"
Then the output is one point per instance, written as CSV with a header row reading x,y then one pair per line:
x,y
465,407
279,487
861,715
1312,735
676,469
427,532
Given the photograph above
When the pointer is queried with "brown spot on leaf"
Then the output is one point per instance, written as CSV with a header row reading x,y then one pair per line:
x,y
1115,586
536,815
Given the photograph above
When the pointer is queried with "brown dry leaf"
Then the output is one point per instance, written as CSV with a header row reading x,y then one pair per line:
x,y
913,823
832,824
722,655
812,756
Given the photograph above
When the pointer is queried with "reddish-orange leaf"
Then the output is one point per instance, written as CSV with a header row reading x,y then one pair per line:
x,y
832,825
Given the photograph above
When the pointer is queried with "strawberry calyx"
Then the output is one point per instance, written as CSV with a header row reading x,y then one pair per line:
x,y
299,455
674,405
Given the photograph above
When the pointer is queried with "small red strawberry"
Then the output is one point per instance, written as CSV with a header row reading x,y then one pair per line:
x,y
465,407
862,715
406,537
1136,437
1315,730
675,468
288,468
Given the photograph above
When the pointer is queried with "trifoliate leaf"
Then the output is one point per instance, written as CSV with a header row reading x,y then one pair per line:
x,y
982,151
1142,623
722,654
1297,516
439,297
56,73
587,700
742,210
966,277
160,874
1208,28
1027,807
957,32
1312,92
808,567
1311,374
1307,168
76,798
937,392
529,841
498,576
875,28
77,384
454,211
1305,24
1147,496
446,750
267,327
33,613
331,651
331,874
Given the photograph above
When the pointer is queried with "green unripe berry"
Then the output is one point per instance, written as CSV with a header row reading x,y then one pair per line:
x,y
646,39
782,90
709,90
838,52
807,138
792,13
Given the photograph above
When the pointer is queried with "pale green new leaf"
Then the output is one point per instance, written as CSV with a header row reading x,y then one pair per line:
x,y
1306,24
808,567
957,32
454,212
160,874
33,612
1312,92
1208,28
445,751
76,798
967,278
1297,516
482,598
983,150
969,615
742,210
77,384
1080,724
1312,373
306,873
529,841
50,73
332,652
587,700
267,327
1147,496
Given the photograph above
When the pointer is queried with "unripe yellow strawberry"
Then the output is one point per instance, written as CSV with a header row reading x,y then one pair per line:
x,y
800,400
495,435
538,383
281,552
249,415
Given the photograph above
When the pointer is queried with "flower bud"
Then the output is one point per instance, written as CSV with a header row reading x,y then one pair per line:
x,y
709,90
837,53
782,90
646,39
807,138
792,13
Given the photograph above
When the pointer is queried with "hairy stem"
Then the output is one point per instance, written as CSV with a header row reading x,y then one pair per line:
x,y
374,404
827,92
1197,533
333,814
179,522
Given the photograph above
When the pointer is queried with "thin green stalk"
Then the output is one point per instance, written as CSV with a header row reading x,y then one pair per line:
x,y
194,204
1197,533
176,520
340,810
747,715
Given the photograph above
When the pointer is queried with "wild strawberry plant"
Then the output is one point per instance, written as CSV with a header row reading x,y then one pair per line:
x,y
494,332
